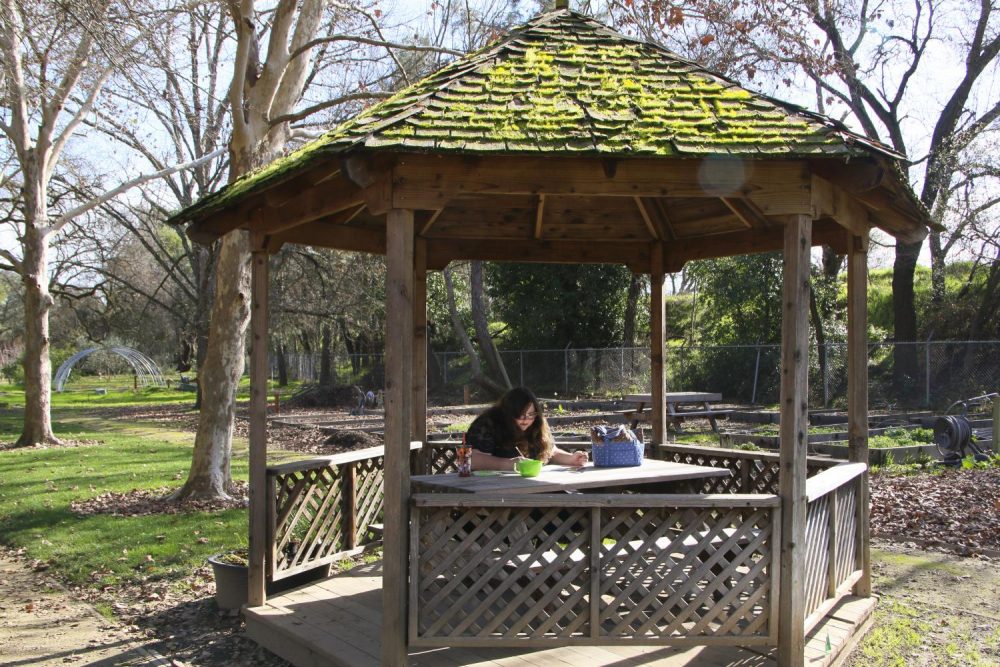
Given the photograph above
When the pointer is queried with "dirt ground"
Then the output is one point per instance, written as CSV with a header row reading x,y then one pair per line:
x,y
41,623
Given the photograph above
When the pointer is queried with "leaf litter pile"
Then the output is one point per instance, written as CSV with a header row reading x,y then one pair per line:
x,y
956,510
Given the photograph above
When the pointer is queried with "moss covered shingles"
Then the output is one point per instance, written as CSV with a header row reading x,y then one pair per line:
x,y
564,83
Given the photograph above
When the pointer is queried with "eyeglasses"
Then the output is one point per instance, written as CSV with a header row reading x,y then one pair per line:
x,y
527,417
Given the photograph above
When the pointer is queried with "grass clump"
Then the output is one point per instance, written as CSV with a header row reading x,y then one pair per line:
x,y
897,637
902,437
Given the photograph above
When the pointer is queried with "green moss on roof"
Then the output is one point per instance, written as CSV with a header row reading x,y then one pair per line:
x,y
564,83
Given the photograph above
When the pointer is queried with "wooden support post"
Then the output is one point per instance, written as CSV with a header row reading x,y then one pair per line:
x,y
857,396
658,408
794,423
398,423
259,281
420,350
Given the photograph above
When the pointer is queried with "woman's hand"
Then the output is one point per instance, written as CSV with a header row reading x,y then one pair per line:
x,y
575,459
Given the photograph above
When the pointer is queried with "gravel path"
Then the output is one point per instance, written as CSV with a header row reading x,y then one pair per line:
x,y
41,623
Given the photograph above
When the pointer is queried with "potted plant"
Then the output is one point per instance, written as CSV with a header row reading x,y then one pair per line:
x,y
231,570
231,578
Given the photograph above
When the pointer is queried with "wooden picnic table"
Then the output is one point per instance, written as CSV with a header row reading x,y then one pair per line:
x,y
680,405
554,478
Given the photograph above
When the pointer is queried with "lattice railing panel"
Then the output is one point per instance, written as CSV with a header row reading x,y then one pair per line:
x,y
500,573
752,472
817,552
308,528
669,572
322,508
505,572
831,538
440,458
368,492
847,522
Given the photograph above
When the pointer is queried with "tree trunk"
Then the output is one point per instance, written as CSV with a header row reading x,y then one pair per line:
x,y
481,323
282,364
219,377
456,322
208,260
325,372
631,307
817,319
904,313
937,268
38,301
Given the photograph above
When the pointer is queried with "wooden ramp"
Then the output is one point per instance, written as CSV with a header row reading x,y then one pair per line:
x,y
336,622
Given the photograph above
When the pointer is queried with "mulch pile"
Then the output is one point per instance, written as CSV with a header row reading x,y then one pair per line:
x,y
956,510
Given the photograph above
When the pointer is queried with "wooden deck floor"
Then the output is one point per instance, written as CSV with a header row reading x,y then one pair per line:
x,y
336,622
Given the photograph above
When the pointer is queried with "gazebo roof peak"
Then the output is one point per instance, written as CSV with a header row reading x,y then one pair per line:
x,y
565,85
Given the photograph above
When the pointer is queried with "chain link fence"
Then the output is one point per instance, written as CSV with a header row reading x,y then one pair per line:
x,y
748,374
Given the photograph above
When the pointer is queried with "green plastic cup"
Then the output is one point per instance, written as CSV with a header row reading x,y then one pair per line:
x,y
529,467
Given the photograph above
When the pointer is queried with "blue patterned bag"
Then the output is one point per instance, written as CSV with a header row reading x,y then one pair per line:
x,y
615,446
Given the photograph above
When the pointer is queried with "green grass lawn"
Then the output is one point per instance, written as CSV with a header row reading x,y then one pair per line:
x,y
38,485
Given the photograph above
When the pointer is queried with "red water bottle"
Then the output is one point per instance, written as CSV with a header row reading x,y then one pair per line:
x,y
464,460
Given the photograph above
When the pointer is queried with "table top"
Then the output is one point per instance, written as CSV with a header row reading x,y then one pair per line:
x,y
562,478
677,397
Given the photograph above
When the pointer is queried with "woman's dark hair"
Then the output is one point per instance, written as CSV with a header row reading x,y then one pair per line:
x,y
536,441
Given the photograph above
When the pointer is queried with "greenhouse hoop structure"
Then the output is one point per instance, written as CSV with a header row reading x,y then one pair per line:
x,y
147,373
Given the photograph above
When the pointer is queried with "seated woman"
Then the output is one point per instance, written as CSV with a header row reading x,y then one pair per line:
x,y
513,429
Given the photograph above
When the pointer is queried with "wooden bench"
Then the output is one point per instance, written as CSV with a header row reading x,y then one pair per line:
x,y
675,417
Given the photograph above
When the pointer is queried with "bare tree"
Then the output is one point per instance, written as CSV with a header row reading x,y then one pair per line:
x,y
266,96
878,63
57,59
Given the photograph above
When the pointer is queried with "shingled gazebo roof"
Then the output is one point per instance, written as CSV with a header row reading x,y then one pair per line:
x,y
564,85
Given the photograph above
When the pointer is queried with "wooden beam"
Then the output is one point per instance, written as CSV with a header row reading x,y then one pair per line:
x,y
281,205
332,235
857,397
663,220
539,216
398,420
657,347
855,177
373,174
259,283
646,218
794,409
829,201
429,182
748,242
631,253
870,183
747,212
431,219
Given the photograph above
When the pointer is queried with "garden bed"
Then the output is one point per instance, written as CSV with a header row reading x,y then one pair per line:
x,y
890,444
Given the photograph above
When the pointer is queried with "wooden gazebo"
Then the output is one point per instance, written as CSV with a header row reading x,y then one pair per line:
x,y
566,142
